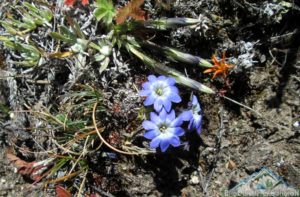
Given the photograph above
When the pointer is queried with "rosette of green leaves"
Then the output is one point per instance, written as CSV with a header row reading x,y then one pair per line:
x,y
104,11
29,53
32,17
72,36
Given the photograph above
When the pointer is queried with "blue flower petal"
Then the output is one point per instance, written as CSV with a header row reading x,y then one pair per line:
x,y
149,100
155,142
196,104
178,131
197,120
148,125
174,89
167,104
186,115
144,92
197,124
194,100
191,125
152,78
164,145
158,104
155,118
171,81
161,78
163,115
171,116
176,122
146,85
151,134
175,98
174,141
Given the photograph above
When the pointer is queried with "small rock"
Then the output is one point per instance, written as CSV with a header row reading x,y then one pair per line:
x,y
195,179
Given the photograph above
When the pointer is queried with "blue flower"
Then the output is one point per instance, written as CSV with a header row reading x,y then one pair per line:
x,y
193,115
163,130
160,91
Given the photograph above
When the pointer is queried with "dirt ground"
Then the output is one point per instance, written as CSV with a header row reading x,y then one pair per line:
x,y
236,140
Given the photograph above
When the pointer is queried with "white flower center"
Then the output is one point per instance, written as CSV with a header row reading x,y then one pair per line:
x,y
161,88
159,91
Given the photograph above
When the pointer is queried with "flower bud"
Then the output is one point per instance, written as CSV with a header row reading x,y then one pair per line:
x,y
166,23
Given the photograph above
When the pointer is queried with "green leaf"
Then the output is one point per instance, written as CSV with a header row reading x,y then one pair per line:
x,y
66,35
99,57
11,45
8,27
104,64
41,16
94,46
104,11
59,165
30,49
66,32
58,36
47,14
31,7
77,30
3,38
29,23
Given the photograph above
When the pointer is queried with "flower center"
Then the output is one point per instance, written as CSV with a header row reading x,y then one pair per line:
x,y
163,128
159,91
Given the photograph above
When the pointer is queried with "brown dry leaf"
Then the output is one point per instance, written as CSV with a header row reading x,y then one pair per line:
x,y
62,192
19,163
60,54
25,168
132,9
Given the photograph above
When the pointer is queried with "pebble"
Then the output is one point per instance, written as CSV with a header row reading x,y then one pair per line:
x,y
195,179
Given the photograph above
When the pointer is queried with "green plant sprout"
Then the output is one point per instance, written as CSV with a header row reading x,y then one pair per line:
x,y
32,17
16,30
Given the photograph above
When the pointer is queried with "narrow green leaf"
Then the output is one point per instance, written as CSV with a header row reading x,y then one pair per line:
x,y
66,32
31,7
61,37
104,64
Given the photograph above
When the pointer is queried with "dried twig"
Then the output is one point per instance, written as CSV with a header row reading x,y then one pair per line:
x,y
103,140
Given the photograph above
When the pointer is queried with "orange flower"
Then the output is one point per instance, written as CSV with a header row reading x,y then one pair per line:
x,y
84,2
71,2
220,67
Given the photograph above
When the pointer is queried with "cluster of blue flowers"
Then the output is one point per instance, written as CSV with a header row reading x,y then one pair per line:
x,y
164,128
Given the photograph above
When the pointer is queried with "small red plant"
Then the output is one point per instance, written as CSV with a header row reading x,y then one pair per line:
x,y
131,9
220,67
